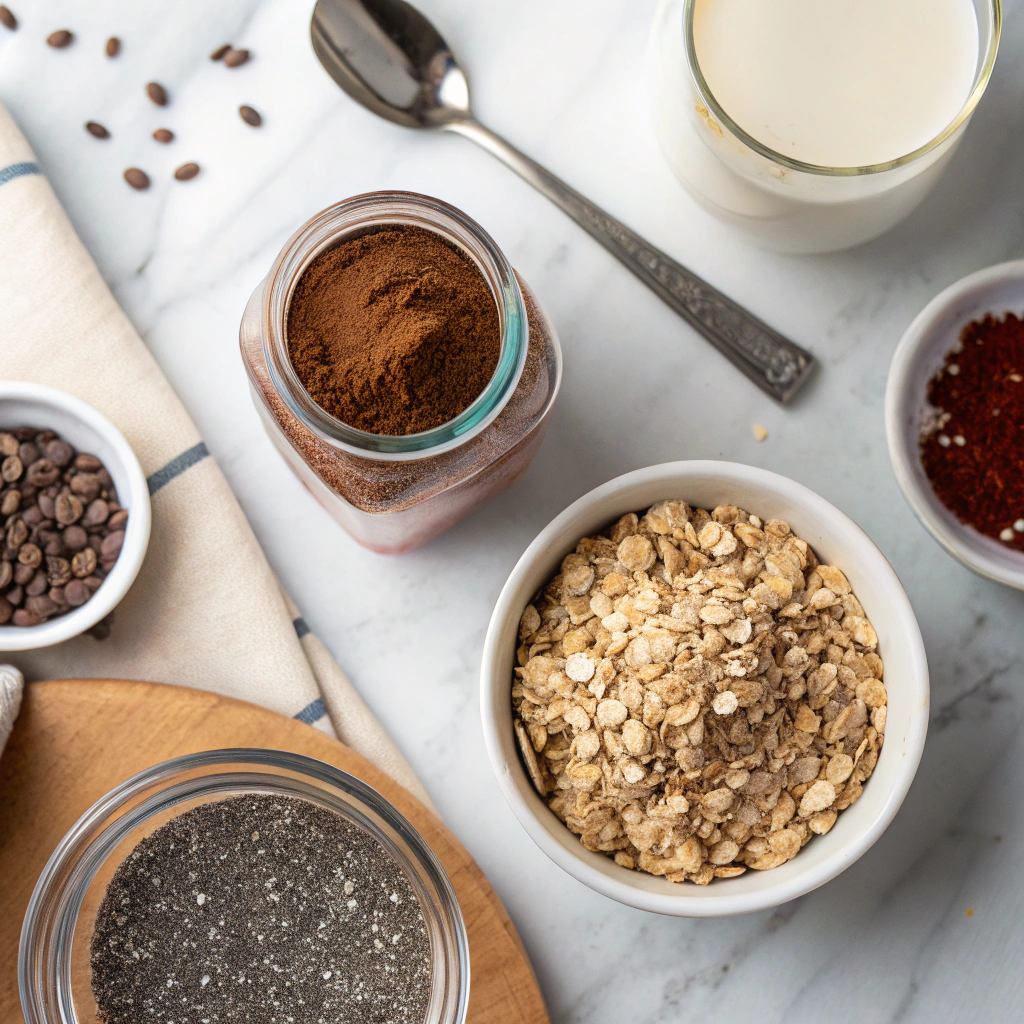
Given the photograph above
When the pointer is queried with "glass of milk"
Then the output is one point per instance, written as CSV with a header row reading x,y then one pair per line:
x,y
815,125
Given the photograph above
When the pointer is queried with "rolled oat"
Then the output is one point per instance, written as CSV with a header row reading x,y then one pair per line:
x,y
696,695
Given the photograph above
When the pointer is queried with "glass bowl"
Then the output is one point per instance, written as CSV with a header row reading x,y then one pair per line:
x,y
54,974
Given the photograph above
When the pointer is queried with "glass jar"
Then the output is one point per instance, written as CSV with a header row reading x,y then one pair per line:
x,y
54,974
393,493
778,202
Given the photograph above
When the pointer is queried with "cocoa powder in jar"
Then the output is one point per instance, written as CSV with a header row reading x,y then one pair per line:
x,y
394,331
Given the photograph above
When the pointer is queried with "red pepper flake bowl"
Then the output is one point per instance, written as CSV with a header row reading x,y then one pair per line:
x,y
922,352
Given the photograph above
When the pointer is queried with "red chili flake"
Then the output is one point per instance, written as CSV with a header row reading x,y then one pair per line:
x,y
974,455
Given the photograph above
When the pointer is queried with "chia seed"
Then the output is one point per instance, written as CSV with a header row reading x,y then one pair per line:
x,y
260,909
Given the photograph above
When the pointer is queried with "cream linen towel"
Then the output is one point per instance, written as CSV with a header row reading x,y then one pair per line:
x,y
206,609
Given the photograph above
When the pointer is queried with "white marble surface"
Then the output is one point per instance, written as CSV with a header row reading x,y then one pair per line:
x,y
888,940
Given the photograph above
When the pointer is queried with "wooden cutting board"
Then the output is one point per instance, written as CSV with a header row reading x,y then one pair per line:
x,y
76,739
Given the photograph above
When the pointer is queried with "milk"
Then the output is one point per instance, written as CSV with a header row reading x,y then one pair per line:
x,y
839,83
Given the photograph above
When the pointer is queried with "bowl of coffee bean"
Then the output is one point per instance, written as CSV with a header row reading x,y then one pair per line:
x,y
74,517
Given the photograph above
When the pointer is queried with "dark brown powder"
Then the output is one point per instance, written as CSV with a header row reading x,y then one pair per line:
x,y
393,332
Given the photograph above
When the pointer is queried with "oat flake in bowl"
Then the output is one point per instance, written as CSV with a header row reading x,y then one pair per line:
x,y
696,695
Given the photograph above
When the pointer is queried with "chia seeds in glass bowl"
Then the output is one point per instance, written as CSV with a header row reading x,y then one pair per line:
x,y
243,885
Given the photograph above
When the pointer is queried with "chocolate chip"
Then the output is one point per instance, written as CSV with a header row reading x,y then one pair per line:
x,y
96,130
113,46
186,172
236,58
250,116
59,39
220,51
163,135
7,18
157,93
136,178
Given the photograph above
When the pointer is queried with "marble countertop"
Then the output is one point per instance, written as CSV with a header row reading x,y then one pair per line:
x,y
925,926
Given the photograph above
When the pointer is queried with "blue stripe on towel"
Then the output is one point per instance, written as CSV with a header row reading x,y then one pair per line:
x,y
312,712
13,171
301,629
177,466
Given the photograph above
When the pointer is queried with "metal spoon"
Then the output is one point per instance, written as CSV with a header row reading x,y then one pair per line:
x,y
389,58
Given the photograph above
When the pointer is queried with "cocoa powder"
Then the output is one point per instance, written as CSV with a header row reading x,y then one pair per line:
x,y
393,332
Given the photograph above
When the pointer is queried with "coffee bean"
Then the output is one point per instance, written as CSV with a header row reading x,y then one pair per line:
x,y
236,58
59,39
113,46
33,516
220,51
40,605
67,509
136,178
86,486
22,574
6,611
75,538
8,445
93,582
37,585
42,473
84,563
28,452
96,514
16,595
46,504
76,593
6,574
157,93
60,453
11,469
25,433
102,628
25,618
111,546
186,172
10,503
30,554
27,492
250,116
7,18
17,534
118,519
58,571
96,130
56,595
54,547
86,463
163,135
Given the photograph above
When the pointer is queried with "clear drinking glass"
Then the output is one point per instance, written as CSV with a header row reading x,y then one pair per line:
x,y
393,493
54,973
778,202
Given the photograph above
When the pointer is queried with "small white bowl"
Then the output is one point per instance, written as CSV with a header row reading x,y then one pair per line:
x,y
836,540
36,405
920,353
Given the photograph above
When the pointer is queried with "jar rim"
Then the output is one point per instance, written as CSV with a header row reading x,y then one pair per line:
x,y
982,77
48,932
374,210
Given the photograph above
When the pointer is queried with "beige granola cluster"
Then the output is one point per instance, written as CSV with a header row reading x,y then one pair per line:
x,y
695,695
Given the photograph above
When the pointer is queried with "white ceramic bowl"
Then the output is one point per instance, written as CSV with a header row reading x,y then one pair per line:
x,y
78,423
922,350
836,539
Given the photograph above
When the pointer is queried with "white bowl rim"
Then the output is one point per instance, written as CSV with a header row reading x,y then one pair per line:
x,y
721,904
136,541
896,394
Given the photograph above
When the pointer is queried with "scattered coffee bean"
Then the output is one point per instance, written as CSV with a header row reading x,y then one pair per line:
x,y
102,628
113,46
7,18
136,178
59,39
250,116
61,527
236,58
220,51
163,135
95,129
157,93
186,172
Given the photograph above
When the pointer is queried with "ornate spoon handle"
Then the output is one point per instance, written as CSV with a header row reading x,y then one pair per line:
x,y
773,362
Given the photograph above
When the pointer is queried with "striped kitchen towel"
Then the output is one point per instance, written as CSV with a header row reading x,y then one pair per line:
x,y
206,609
